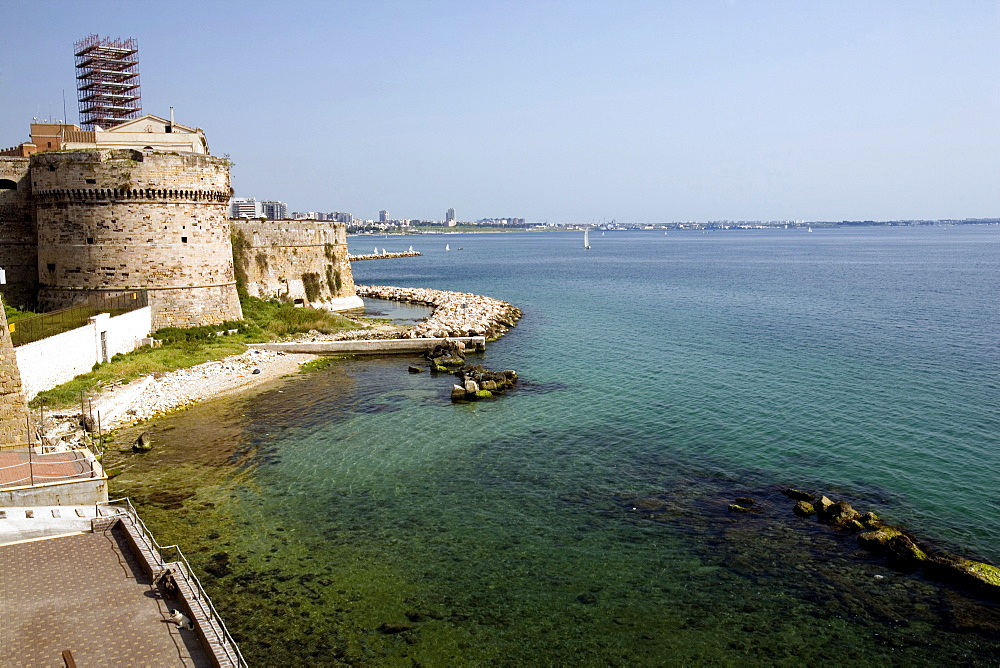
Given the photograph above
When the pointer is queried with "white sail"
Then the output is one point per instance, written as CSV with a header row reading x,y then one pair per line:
x,y
586,239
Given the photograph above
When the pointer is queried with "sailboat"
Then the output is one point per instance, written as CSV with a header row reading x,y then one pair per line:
x,y
810,229
447,247
376,250
586,239
410,249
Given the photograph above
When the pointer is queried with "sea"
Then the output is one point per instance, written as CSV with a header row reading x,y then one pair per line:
x,y
583,518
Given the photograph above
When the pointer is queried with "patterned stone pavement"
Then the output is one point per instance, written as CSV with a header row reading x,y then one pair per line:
x,y
86,593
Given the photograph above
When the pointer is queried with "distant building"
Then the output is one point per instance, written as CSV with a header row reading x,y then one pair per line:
x,y
274,210
449,218
149,133
342,217
244,207
383,216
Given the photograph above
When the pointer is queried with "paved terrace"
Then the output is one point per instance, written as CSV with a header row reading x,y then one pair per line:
x,y
86,593
80,579
19,467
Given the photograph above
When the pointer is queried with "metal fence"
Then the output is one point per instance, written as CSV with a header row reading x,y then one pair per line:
x,y
216,634
42,326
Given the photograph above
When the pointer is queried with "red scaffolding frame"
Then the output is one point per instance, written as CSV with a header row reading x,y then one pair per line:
x,y
107,74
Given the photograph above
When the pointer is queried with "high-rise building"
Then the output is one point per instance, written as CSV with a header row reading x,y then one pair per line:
x,y
107,74
244,207
274,210
449,217
383,216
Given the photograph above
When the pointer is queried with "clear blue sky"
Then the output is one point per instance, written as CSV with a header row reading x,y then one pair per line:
x,y
559,111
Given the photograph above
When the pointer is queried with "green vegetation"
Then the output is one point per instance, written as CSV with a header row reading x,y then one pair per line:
x,y
182,348
241,260
13,315
310,281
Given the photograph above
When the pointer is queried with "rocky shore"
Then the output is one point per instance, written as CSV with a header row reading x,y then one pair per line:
x,y
455,313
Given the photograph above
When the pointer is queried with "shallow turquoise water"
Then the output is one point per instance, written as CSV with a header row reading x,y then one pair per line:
x,y
582,519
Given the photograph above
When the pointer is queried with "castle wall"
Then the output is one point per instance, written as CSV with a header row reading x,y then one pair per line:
x,y
110,221
305,261
18,246
13,409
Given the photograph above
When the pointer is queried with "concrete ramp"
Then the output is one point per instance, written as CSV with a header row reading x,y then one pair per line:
x,y
371,346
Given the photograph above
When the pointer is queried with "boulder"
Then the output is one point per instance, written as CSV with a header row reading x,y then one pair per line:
x,y
903,552
415,369
804,509
822,506
737,508
870,520
874,541
798,494
745,500
471,387
457,392
841,514
143,443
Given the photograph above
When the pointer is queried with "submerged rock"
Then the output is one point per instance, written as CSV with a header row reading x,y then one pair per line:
x,y
798,494
737,508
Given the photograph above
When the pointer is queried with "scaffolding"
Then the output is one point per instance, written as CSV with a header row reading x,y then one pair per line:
x,y
107,74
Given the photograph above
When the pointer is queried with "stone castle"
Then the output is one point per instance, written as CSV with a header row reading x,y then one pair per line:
x,y
103,216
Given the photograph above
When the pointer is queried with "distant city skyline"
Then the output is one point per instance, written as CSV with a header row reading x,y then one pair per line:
x,y
637,111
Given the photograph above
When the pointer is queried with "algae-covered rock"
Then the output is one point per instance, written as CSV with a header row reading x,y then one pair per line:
x,y
874,541
798,494
745,500
822,506
143,443
415,369
804,509
870,521
483,394
457,392
737,508
841,514
904,552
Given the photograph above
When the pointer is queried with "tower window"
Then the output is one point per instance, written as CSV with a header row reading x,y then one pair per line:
x,y
184,240
51,267
92,181
90,240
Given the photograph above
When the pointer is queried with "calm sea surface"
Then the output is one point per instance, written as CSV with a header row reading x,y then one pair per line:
x,y
582,519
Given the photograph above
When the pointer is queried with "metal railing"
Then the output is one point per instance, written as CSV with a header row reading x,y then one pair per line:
x,y
36,327
223,640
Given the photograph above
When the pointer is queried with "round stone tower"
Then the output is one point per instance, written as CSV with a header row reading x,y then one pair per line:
x,y
114,220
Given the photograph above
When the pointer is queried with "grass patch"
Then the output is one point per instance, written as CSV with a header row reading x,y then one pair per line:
x,y
183,348
13,315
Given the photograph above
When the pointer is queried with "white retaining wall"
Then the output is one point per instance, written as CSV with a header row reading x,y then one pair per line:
x,y
49,362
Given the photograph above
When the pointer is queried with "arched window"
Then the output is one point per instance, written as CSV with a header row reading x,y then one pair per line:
x,y
7,184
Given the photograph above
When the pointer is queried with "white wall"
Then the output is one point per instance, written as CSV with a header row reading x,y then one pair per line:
x,y
49,362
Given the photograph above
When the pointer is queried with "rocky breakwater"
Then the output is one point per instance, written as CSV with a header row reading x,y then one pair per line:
x,y
901,549
382,256
475,381
455,313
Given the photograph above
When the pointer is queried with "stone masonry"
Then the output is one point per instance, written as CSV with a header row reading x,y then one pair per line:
x,y
112,221
18,249
305,261
13,409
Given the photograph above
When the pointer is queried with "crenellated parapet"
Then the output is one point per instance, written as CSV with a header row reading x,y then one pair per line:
x,y
146,194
